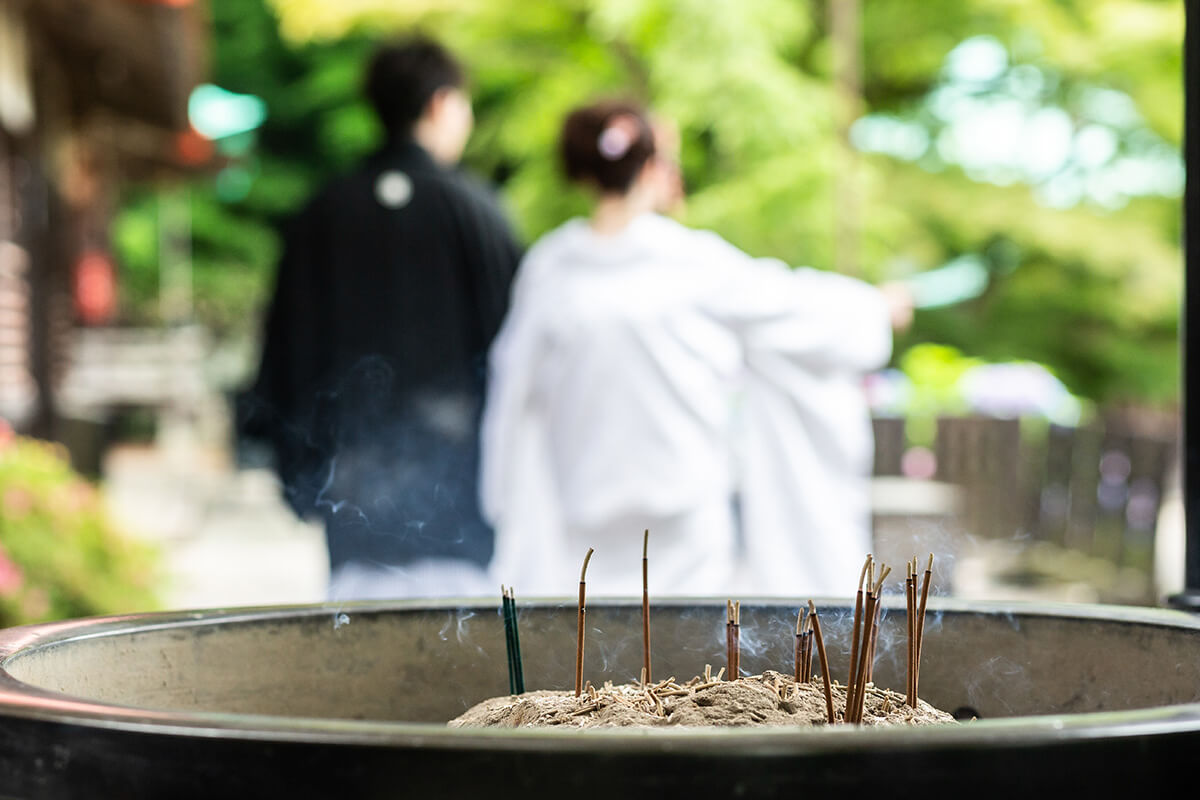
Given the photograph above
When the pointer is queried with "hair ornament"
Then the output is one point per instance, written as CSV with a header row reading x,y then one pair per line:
x,y
618,136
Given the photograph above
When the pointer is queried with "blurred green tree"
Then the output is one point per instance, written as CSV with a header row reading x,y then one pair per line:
x,y
1083,260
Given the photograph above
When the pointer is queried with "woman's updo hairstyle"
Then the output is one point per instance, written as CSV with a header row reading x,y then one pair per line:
x,y
606,144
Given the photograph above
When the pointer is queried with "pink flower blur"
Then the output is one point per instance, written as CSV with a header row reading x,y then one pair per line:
x,y
11,576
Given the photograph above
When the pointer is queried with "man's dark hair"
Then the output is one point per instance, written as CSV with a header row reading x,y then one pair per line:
x,y
404,75
585,160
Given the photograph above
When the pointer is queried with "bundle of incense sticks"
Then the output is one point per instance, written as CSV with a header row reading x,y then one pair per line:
x,y
865,636
512,640
733,622
851,681
916,623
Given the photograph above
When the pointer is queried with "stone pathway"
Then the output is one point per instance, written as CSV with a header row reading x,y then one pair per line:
x,y
227,538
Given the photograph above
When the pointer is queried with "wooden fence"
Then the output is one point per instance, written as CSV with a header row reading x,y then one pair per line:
x,y
1096,490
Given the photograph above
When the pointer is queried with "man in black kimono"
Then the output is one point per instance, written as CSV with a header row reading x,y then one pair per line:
x,y
393,281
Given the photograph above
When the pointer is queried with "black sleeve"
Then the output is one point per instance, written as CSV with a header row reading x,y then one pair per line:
x,y
492,253
275,409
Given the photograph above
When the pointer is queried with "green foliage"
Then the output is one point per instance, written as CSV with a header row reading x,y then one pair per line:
x,y
934,372
1093,295
60,556
1090,290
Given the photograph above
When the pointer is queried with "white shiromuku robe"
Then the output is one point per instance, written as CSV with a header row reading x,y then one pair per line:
x,y
642,379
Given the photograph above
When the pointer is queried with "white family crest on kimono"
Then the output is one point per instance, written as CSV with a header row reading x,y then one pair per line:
x,y
642,379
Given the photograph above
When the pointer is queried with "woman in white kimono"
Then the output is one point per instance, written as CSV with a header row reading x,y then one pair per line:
x,y
641,362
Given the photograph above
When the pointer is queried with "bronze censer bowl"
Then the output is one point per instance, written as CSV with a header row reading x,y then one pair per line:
x,y
352,701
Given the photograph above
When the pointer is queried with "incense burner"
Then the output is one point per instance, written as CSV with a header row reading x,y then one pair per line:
x,y
352,700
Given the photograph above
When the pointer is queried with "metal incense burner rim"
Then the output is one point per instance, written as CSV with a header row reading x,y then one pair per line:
x,y
25,700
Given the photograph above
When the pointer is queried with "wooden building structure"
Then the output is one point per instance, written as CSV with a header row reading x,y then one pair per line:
x,y
93,93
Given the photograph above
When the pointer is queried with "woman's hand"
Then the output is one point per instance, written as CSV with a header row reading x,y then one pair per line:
x,y
900,304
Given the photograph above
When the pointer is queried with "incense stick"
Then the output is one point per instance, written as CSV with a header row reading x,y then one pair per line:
x,y
646,605
808,652
582,615
861,668
516,636
798,673
921,626
729,635
733,613
737,640
910,598
816,626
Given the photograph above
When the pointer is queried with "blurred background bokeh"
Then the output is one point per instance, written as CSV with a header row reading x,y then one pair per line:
x,y
1017,160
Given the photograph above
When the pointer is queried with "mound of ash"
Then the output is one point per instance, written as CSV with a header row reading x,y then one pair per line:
x,y
767,699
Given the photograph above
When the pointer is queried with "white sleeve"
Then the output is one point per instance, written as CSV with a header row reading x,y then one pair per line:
x,y
516,480
803,434
511,363
820,319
